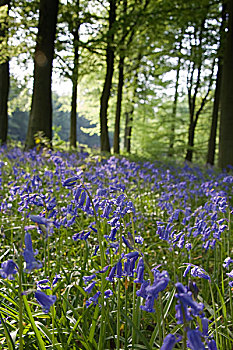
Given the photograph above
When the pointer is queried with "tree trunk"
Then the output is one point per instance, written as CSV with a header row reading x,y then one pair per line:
x,y
226,117
174,108
41,108
214,123
128,130
73,114
104,137
189,154
4,78
116,145
193,115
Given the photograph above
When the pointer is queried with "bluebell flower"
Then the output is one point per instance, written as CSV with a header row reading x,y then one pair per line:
x,y
40,220
104,269
212,344
108,293
139,239
29,255
96,250
140,271
169,342
46,301
82,199
127,271
89,288
56,279
93,300
205,326
8,269
70,182
43,284
132,255
194,339
77,193
185,300
149,304
182,312
142,291
196,271
119,272
111,275
227,262
199,272
83,235
45,225
89,278
126,242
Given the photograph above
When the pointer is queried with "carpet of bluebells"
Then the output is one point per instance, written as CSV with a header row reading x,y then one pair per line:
x,y
109,253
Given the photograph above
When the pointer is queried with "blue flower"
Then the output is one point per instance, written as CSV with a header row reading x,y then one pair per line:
x,y
70,182
140,271
8,269
108,293
149,304
43,284
93,299
89,278
29,255
227,262
46,301
196,271
56,279
142,291
212,344
169,342
194,339
89,288
110,277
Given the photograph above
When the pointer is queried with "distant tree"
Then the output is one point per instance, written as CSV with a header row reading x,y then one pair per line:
x,y
110,55
131,23
41,108
216,104
4,70
226,118
196,68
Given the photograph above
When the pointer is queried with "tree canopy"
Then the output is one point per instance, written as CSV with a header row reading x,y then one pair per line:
x,y
147,72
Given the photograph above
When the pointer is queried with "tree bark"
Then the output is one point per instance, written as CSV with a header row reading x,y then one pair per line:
x,y
174,109
192,97
41,108
214,122
226,117
73,114
104,137
116,145
128,130
4,78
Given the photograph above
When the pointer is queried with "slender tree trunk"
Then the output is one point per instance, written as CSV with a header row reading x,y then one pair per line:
x,y
41,109
104,137
73,115
4,76
189,154
116,145
214,123
128,130
226,118
192,97
174,109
